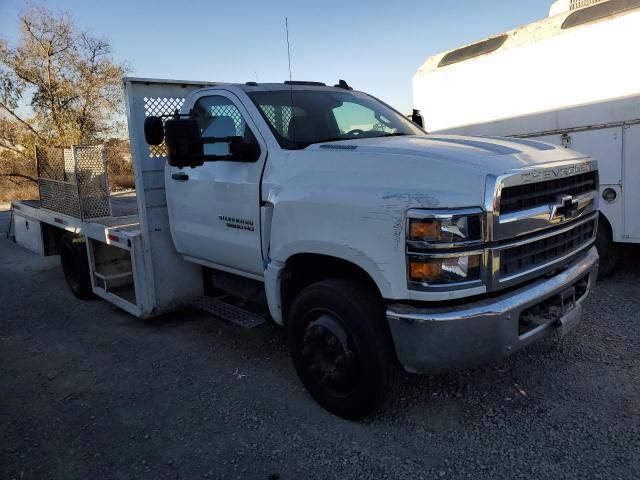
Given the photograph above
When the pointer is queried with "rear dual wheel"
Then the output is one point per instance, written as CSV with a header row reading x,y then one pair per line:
x,y
75,265
342,349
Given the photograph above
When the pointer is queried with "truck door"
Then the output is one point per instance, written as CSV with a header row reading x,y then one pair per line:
x,y
215,208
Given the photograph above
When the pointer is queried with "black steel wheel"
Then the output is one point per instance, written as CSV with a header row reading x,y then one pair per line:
x,y
331,353
75,265
342,349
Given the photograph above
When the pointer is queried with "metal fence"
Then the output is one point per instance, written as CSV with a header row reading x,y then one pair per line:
x,y
74,181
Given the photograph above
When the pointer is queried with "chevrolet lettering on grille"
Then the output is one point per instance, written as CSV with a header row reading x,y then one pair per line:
x,y
552,173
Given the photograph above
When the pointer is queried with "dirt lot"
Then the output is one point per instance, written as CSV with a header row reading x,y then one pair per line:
x,y
89,392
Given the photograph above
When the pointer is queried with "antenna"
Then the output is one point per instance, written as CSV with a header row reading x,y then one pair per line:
x,y
292,121
286,26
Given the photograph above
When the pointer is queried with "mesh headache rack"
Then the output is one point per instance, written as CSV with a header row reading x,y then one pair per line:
x,y
73,181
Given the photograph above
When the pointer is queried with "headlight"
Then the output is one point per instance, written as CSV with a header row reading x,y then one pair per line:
x,y
445,228
445,270
444,248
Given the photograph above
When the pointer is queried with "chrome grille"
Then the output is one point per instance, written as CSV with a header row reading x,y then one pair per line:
x,y
538,219
526,257
520,197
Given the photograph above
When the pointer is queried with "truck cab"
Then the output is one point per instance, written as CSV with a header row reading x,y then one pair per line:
x,y
377,245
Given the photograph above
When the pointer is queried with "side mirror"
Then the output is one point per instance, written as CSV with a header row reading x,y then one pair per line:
x,y
153,130
243,151
184,144
416,118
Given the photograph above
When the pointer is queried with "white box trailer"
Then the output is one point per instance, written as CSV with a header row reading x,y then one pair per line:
x,y
570,80
133,263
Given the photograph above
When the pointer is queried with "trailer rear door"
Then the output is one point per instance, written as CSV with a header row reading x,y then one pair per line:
x,y
632,177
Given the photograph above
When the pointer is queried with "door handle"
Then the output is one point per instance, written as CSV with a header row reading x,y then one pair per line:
x,y
180,176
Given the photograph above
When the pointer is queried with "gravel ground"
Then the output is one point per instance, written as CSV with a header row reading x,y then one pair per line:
x,y
89,392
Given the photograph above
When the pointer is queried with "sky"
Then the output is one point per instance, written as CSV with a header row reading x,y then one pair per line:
x,y
375,46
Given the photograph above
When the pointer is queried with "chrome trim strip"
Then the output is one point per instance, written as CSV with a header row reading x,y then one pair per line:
x,y
535,212
583,201
424,287
420,213
423,255
553,233
499,282
441,246
544,266
525,222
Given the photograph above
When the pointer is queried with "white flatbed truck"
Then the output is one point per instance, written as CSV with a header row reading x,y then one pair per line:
x,y
376,245
568,80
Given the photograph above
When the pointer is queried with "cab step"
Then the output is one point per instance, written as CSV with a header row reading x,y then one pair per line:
x,y
246,315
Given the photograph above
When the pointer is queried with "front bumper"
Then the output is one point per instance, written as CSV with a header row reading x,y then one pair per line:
x,y
432,340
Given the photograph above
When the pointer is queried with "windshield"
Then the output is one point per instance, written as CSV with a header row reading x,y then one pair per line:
x,y
299,118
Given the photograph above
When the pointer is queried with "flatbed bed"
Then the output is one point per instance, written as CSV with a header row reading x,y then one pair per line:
x,y
132,261
112,243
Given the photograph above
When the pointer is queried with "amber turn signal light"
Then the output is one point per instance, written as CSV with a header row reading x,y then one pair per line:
x,y
424,231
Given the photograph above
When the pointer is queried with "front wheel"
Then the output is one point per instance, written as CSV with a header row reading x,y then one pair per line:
x,y
609,252
342,349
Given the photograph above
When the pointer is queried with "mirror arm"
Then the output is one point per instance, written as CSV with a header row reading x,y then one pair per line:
x,y
216,158
209,140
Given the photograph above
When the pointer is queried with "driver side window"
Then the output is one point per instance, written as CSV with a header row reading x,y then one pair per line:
x,y
353,116
217,116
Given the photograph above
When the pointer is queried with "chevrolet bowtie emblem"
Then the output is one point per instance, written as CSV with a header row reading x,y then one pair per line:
x,y
565,207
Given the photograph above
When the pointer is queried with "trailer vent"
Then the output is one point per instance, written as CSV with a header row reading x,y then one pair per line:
x,y
472,51
576,4
599,11
564,6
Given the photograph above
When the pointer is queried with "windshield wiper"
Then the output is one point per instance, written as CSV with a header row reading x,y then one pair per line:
x,y
302,146
397,134
325,140
338,139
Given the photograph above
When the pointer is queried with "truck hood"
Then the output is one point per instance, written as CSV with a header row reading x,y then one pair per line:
x,y
390,175
490,155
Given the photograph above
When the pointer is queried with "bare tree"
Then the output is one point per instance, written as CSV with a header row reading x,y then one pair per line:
x,y
69,81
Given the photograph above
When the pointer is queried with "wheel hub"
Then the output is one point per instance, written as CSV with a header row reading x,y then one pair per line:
x,y
331,355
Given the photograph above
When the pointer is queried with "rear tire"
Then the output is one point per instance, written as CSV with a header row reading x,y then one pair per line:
x,y
609,252
75,265
342,348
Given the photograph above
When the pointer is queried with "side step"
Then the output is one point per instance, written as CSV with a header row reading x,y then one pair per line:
x,y
223,307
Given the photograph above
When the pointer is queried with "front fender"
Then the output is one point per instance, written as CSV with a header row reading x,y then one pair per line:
x,y
274,268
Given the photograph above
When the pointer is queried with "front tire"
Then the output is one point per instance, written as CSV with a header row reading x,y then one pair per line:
x,y
75,265
609,252
342,349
